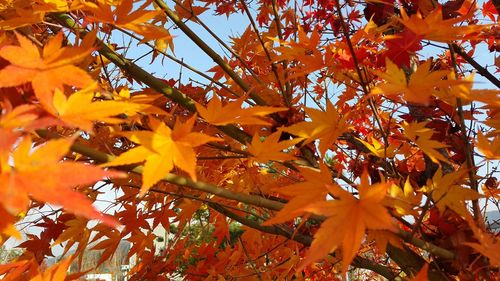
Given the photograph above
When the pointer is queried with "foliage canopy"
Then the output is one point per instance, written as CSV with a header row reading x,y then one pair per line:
x,y
329,138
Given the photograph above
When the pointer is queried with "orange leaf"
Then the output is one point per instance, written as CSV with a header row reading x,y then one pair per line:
x,y
47,71
270,148
55,273
136,19
422,274
348,219
37,172
490,150
313,189
326,126
422,137
434,27
217,114
447,191
489,245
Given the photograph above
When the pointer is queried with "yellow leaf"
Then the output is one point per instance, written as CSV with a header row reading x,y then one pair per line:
x,y
421,136
161,149
378,149
404,199
79,109
423,84
270,148
490,150
326,126
447,192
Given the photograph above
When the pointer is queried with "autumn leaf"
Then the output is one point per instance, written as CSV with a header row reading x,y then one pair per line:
x,y
447,192
305,51
79,109
488,245
312,189
75,232
465,92
326,126
490,150
124,16
217,114
403,199
378,149
271,148
402,46
186,9
422,137
107,245
434,27
348,217
382,238
7,225
37,173
161,149
422,84
57,272
47,71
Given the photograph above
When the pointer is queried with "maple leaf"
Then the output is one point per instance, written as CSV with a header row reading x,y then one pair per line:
x,y
447,192
217,114
382,238
434,27
422,85
270,148
136,21
76,231
39,174
465,92
422,137
304,51
161,149
109,245
488,245
79,110
326,126
23,13
47,71
347,220
187,9
402,46
7,226
378,149
313,189
490,150
57,272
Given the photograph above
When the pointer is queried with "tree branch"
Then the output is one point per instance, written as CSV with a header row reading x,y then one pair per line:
x,y
209,51
480,69
305,240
